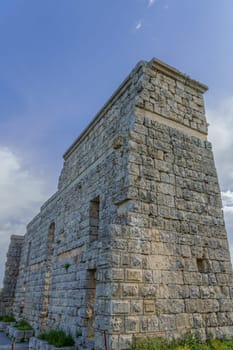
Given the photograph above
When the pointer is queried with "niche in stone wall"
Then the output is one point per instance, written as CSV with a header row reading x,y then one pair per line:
x,y
94,218
48,272
22,300
90,301
203,266
51,241
28,253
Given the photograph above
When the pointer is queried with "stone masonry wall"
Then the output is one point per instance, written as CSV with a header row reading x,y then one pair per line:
x,y
133,243
65,275
173,96
174,272
11,274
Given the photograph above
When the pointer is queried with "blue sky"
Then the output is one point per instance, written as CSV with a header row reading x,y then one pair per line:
x,y
60,60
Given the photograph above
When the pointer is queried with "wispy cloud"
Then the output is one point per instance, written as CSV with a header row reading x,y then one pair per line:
x,y
21,194
151,3
138,24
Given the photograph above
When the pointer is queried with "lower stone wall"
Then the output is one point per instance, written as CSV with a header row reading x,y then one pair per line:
x,y
11,274
2,311
172,271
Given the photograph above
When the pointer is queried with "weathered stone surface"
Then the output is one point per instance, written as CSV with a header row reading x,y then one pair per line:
x,y
4,325
38,344
133,242
11,273
19,335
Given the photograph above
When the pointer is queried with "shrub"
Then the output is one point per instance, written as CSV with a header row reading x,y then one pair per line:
x,y
190,342
221,345
57,338
152,343
66,266
7,318
23,325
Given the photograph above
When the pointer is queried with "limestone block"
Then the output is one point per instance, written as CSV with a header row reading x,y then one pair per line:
x,y
134,275
38,344
32,343
211,320
125,342
5,325
117,324
174,306
225,305
159,262
120,307
184,320
167,322
129,290
168,276
148,291
149,306
131,324
136,307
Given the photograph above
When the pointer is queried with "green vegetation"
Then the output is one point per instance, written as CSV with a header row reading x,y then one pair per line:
x,y
189,343
7,318
66,266
23,325
57,337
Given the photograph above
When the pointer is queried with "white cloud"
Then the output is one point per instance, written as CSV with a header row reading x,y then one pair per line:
x,y
227,199
151,3
220,118
21,195
138,24
231,251
228,215
220,134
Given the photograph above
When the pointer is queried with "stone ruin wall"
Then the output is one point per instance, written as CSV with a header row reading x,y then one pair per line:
x,y
11,273
134,240
174,271
66,258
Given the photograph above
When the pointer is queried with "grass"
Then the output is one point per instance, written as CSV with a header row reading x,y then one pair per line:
x,y
23,325
57,338
7,318
189,343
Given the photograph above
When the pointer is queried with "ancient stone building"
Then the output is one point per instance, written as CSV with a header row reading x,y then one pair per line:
x,y
133,242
